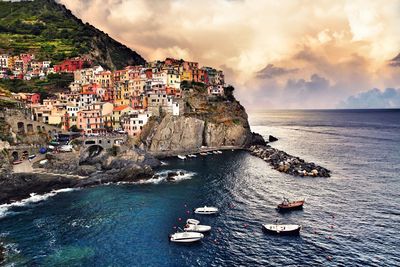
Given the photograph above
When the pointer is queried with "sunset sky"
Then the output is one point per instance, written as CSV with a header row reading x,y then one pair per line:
x,y
278,54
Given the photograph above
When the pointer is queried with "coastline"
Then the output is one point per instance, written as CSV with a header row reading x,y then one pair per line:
x,y
20,186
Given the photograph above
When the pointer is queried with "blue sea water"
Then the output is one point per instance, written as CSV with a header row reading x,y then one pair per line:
x,y
349,219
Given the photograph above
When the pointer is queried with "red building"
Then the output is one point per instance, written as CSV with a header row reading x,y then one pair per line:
x,y
32,98
70,65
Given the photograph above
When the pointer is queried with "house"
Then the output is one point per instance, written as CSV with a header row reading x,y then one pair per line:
x,y
173,79
93,118
117,113
133,123
215,90
4,61
70,65
87,98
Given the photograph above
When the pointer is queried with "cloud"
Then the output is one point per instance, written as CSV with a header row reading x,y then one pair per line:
x,y
374,98
395,62
316,83
264,44
270,71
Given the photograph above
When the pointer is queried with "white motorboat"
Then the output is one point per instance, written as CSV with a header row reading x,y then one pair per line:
x,y
181,157
219,151
192,156
192,221
197,228
203,154
206,210
282,229
209,153
186,237
215,152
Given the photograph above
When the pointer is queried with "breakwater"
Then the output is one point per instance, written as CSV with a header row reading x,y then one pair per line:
x,y
286,163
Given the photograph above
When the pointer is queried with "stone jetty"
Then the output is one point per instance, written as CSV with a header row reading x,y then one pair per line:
x,y
286,163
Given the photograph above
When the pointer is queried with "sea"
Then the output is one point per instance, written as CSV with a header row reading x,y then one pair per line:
x,y
349,219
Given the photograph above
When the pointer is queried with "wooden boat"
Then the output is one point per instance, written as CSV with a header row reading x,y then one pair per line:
x,y
282,229
287,205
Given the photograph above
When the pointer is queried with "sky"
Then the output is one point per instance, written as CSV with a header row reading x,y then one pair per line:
x,y
277,54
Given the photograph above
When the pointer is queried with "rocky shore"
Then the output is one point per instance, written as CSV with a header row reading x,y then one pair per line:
x,y
78,169
2,251
286,163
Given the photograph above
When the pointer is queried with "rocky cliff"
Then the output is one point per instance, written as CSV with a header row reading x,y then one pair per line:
x,y
209,122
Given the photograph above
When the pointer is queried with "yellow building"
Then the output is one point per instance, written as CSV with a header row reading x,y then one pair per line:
x,y
187,75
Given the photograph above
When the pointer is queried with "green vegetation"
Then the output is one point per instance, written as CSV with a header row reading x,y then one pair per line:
x,y
47,87
52,32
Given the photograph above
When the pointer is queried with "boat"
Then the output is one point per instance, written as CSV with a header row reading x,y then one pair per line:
x,y
203,154
209,153
219,151
290,205
215,152
197,228
282,229
192,221
192,156
32,156
206,210
181,157
186,237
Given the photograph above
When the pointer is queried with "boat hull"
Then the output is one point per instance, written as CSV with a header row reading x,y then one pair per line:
x,y
282,230
186,237
206,210
298,205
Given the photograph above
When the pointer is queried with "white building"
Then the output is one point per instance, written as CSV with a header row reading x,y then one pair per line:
x,y
4,61
87,99
133,123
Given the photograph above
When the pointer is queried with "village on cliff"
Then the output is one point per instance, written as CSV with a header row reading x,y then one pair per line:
x,y
100,101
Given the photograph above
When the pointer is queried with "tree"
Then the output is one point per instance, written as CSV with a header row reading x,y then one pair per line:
x,y
74,129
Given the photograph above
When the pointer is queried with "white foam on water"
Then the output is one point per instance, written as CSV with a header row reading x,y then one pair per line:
x,y
34,198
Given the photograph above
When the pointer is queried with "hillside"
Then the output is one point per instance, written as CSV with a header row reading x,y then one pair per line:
x,y
51,31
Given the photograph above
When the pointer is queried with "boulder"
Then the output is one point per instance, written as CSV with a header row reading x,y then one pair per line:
x,y
272,138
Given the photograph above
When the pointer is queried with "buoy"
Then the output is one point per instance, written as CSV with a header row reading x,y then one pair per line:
x,y
179,219
245,225
188,211
331,226
185,205
329,257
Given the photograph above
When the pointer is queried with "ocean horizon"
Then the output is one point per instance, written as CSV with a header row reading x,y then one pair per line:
x,y
349,219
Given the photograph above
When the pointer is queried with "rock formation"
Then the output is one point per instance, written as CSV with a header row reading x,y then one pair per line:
x,y
206,122
286,163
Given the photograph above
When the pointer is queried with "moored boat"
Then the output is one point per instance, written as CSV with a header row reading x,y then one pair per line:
x,y
192,221
282,229
206,210
203,154
290,205
186,237
192,156
181,157
197,228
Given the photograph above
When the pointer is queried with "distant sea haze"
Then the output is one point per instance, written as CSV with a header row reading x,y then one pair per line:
x,y
349,219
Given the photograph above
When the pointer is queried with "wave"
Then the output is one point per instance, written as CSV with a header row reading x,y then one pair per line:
x,y
162,177
5,209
